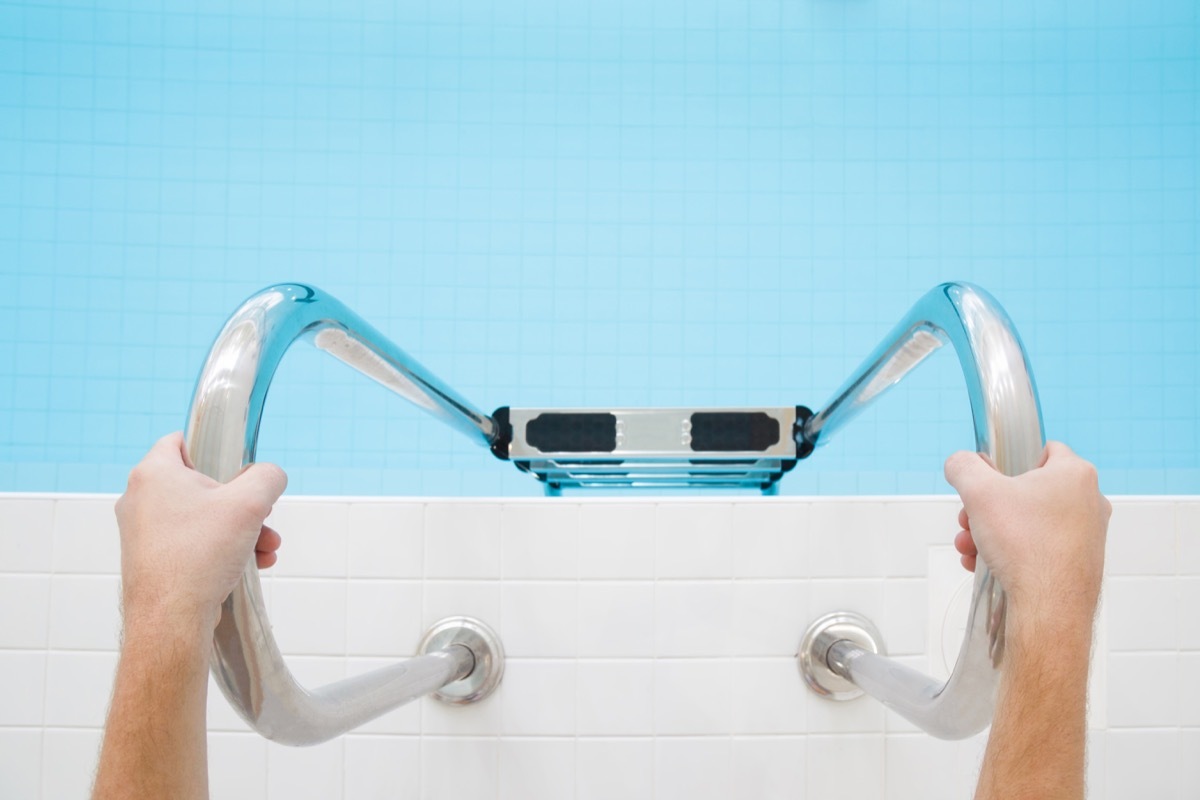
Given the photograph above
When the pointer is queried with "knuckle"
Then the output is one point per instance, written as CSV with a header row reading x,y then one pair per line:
x,y
137,478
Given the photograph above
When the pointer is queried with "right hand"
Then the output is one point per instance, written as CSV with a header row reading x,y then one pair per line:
x,y
1042,532
185,539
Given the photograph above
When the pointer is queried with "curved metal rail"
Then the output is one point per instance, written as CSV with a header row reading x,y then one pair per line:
x,y
1008,429
221,437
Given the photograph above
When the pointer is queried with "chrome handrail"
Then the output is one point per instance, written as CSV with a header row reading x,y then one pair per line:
x,y
1008,429
220,439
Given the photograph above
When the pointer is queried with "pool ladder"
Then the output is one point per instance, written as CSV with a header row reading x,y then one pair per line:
x,y
462,660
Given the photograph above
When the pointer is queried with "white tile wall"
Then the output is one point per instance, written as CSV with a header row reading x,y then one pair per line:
x,y
650,648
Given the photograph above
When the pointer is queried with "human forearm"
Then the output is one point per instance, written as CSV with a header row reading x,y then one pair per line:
x,y
185,541
1042,533
1036,749
154,741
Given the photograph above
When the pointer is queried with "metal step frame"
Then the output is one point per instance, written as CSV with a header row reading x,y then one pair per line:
x,y
653,448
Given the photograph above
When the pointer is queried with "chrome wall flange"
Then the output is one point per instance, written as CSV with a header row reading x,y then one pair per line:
x,y
821,636
484,645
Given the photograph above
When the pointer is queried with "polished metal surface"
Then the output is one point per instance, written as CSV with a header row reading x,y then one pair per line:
x,y
1008,429
486,651
220,438
654,451
824,676
653,433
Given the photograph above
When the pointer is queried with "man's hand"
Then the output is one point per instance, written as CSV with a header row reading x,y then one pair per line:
x,y
1042,533
185,538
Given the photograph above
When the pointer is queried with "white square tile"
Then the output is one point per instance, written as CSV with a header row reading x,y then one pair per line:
x,y
698,768
315,539
459,768
386,540
537,698
1189,690
1141,538
86,538
479,599
305,773
78,688
1094,769
309,616
1142,613
1155,703
861,715
769,767
1142,763
540,540
616,540
20,763
769,617
537,769
27,670
846,539
69,759
26,603
905,612
1189,621
482,718
862,596
383,617
462,540
382,767
1189,772
539,619
911,528
770,539
694,540
237,765
1187,537
921,766
403,720
693,619
26,534
615,698
85,612
846,767
615,768
616,619
950,590
769,697
692,696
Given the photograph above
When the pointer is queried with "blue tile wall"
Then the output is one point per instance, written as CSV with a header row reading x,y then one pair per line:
x,y
598,202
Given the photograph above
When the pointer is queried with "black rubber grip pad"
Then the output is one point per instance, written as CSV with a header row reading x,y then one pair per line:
x,y
725,431
558,432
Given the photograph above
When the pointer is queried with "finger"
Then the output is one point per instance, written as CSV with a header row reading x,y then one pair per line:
x,y
168,448
1055,451
967,471
964,521
965,544
968,563
265,560
261,484
268,540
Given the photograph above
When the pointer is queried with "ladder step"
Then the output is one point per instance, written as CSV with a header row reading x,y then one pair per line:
x,y
746,448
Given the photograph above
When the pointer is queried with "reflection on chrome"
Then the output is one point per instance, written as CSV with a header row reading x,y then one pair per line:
x,y
1008,428
221,436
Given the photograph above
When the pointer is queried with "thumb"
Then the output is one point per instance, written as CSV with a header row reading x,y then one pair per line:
x,y
967,471
259,484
